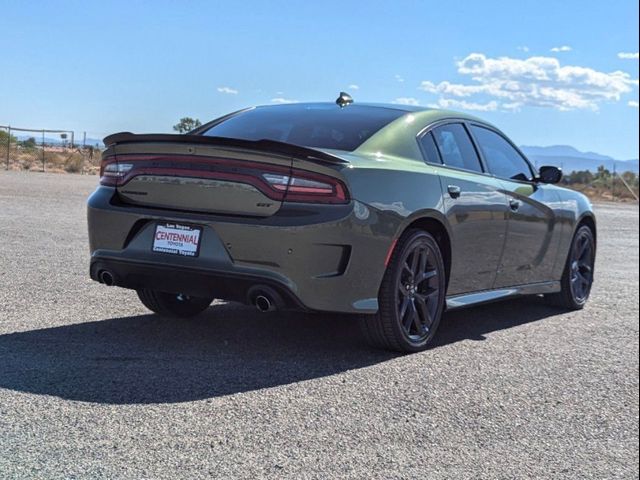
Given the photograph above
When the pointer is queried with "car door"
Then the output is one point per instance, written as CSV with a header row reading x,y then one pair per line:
x,y
532,233
474,204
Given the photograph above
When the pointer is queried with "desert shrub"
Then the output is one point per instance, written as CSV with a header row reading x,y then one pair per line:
x,y
74,164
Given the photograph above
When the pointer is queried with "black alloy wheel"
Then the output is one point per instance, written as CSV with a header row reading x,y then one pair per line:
x,y
412,295
578,275
581,265
417,291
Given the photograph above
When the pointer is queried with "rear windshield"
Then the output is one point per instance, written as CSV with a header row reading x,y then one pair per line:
x,y
319,126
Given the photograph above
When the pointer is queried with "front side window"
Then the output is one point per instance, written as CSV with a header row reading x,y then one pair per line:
x,y
455,147
502,159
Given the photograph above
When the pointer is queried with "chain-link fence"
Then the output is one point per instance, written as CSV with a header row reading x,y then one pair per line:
x,y
46,150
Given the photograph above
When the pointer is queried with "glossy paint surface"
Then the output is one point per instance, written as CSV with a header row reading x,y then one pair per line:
x,y
332,257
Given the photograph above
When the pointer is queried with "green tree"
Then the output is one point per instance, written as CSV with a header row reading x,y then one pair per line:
x,y
603,173
583,177
29,143
4,138
186,124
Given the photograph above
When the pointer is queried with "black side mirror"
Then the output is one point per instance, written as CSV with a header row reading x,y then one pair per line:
x,y
550,174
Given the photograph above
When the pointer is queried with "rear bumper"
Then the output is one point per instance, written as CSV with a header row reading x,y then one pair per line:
x,y
322,258
190,281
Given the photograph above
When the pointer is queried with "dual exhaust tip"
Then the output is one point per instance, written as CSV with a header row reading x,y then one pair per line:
x,y
106,277
264,298
264,304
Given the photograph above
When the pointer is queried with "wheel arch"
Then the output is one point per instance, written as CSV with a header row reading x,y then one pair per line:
x,y
589,220
435,224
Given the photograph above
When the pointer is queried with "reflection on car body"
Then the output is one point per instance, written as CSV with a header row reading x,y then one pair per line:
x,y
390,212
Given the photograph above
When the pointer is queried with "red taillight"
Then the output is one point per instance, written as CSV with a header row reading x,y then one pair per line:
x,y
276,182
309,187
111,172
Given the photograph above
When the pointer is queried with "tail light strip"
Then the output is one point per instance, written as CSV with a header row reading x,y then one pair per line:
x,y
275,181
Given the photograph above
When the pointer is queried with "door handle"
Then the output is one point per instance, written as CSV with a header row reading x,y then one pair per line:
x,y
454,191
514,205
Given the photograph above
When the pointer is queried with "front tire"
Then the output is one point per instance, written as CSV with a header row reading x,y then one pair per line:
x,y
175,305
411,298
577,277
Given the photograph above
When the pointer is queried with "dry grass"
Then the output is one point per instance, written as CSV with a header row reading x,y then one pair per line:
x,y
616,193
56,160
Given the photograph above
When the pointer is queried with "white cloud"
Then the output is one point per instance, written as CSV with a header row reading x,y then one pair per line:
x,y
535,81
353,86
563,48
629,55
407,101
398,78
455,89
464,105
633,103
523,48
228,90
283,100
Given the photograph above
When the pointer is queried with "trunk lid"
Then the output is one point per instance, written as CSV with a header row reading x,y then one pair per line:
x,y
212,174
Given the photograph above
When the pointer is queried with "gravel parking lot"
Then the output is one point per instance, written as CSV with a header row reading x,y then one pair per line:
x,y
92,386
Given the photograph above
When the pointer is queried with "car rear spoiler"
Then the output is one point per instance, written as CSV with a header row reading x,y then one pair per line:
x,y
265,146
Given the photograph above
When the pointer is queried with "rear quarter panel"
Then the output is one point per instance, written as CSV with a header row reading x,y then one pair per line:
x,y
401,189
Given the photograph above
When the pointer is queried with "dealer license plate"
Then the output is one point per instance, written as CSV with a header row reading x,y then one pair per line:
x,y
177,239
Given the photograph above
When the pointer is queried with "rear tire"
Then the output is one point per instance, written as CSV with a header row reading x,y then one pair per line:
x,y
174,305
577,277
411,298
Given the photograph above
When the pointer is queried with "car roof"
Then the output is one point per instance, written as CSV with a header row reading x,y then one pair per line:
x,y
358,105
426,113
397,138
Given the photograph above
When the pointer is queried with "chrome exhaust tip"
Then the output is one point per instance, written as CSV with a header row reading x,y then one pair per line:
x,y
264,303
264,298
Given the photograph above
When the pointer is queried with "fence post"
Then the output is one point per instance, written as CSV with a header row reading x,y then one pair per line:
x,y
8,144
43,150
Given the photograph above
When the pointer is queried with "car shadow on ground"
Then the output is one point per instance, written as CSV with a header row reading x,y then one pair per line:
x,y
229,349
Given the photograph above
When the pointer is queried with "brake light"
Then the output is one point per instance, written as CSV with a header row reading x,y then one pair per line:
x,y
276,182
111,172
307,187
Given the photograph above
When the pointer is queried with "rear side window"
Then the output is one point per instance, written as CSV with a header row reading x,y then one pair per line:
x,y
502,159
429,149
455,147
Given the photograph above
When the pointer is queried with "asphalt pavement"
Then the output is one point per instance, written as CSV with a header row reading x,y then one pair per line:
x,y
93,386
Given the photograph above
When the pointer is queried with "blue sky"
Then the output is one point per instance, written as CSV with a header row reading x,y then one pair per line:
x,y
546,72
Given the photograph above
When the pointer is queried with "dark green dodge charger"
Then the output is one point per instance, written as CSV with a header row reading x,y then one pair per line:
x,y
390,212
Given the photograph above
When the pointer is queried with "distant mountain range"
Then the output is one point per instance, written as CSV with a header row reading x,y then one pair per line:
x,y
571,159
